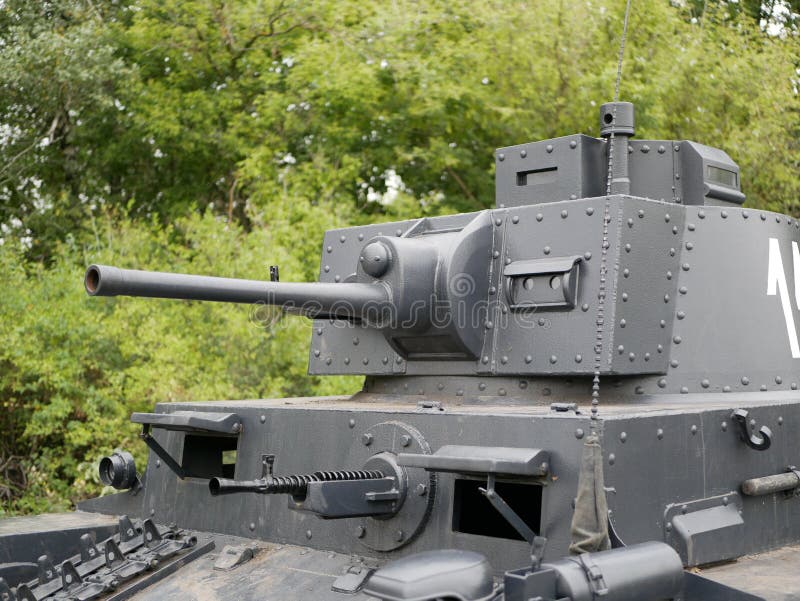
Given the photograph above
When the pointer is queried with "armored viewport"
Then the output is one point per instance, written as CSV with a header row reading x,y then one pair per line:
x,y
457,467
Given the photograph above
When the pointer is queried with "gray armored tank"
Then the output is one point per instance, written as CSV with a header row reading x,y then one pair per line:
x,y
587,392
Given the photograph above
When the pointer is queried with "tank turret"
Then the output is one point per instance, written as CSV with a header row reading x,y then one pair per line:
x,y
513,291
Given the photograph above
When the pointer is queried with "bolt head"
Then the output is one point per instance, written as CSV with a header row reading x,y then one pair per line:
x,y
360,531
375,259
422,490
367,439
399,536
405,440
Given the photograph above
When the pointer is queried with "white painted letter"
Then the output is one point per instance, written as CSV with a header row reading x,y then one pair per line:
x,y
776,276
796,267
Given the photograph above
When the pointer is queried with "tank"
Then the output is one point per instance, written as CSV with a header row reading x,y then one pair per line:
x,y
589,391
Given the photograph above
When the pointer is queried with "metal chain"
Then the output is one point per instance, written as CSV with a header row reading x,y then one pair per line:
x,y
601,294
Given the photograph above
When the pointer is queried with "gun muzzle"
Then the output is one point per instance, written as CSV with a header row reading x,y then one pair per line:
x,y
225,486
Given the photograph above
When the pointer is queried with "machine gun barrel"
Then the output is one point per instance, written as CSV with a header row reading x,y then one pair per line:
x,y
289,485
225,486
345,300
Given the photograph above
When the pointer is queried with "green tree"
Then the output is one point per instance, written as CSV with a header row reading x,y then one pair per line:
x,y
58,72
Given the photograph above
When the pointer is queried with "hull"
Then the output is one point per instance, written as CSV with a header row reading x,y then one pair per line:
x,y
674,467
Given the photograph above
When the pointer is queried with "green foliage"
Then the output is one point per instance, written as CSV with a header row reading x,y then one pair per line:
x,y
220,137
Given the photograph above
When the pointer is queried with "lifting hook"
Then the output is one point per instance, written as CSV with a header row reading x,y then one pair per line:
x,y
757,442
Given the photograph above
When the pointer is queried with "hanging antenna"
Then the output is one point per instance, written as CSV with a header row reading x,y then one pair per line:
x,y
622,49
601,294
616,95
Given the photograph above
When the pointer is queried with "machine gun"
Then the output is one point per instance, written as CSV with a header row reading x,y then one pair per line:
x,y
378,489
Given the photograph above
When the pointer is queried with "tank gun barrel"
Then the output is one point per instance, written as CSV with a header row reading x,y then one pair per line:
x,y
345,300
